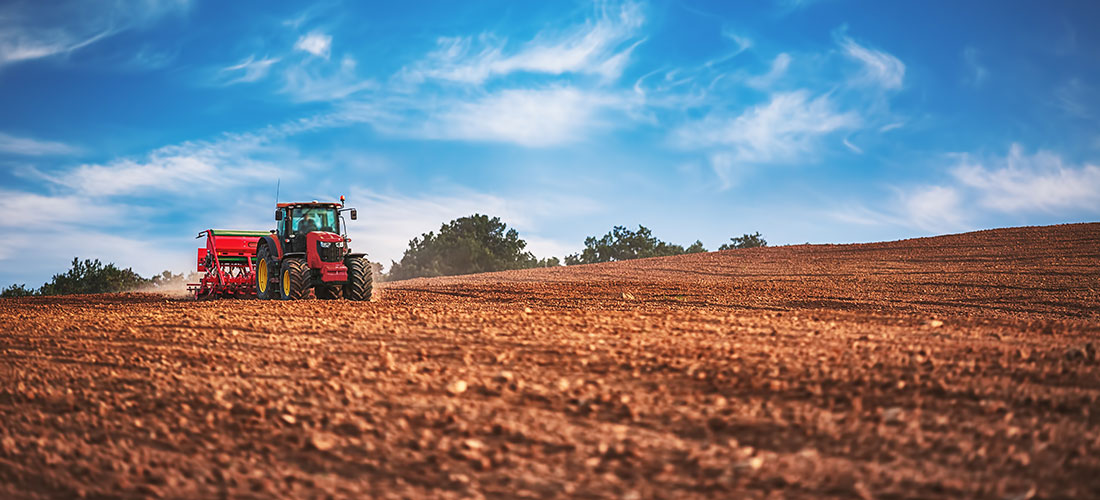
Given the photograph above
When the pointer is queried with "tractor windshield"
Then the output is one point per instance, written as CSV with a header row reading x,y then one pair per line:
x,y
305,220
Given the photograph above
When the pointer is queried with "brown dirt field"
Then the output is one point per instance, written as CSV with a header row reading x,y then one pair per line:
x,y
956,366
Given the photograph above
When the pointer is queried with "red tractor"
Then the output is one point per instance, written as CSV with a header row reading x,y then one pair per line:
x,y
308,249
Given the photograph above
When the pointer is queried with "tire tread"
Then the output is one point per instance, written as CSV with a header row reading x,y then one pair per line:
x,y
360,279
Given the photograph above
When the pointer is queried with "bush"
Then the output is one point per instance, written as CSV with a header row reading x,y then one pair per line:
x,y
91,276
18,291
467,245
623,244
746,241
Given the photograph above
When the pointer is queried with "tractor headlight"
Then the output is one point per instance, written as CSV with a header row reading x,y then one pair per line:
x,y
325,244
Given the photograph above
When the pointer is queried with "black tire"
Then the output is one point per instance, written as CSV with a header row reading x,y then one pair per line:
x,y
360,279
328,292
294,279
269,291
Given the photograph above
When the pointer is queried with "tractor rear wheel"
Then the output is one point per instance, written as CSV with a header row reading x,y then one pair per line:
x,y
265,271
360,281
294,280
328,292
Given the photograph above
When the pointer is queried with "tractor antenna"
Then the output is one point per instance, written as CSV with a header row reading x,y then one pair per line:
x,y
277,184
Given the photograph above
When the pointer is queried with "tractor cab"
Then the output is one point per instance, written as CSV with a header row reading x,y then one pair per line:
x,y
296,220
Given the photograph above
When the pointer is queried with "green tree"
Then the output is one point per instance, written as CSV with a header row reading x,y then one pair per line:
x,y
623,244
92,276
696,247
473,244
18,291
746,241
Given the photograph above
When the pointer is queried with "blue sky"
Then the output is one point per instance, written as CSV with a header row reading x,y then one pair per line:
x,y
128,127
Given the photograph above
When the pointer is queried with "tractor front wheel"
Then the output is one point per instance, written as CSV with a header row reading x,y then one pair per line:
x,y
360,280
264,274
294,280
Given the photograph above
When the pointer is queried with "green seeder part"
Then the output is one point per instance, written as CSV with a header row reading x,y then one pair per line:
x,y
224,259
235,232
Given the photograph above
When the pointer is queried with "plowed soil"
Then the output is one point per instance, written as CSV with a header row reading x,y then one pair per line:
x,y
956,366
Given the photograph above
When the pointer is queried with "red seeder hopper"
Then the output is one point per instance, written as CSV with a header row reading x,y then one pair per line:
x,y
227,261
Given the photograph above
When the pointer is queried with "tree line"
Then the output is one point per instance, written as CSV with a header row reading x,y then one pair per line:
x,y
473,244
93,276
478,243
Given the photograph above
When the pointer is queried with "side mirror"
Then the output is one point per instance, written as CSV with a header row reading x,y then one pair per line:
x,y
278,215
354,215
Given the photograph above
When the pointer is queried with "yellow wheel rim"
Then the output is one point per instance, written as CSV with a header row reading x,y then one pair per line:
x,y
261,275
286,283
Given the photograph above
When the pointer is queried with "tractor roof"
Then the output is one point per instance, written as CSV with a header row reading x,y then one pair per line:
x,y
307,204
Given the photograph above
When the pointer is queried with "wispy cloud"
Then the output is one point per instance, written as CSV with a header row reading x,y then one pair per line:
x,y
785,129
25,146
600,46
543,117
879,68
977,189
50,210
533,118
312,76
933,208
250,69
323,80
1040,182
318,44
1076,98
33,30
778,69
183,169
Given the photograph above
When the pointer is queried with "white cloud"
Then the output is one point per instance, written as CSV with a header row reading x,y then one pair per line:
x,y
778,69
597,48
879,68
185,168
934,208
323,82
34,30
528,117
728,169
534,118
1017,183
855,149
1040,182
309,79
318,44
930,208
21,207
785,129
743,42
26,146
251,69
